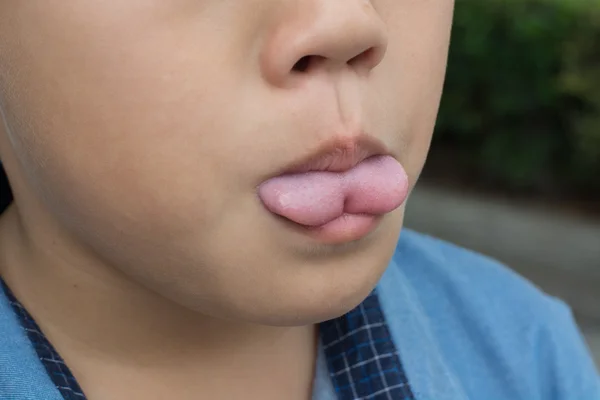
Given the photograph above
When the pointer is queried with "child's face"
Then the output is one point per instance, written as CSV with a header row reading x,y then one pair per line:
x,y
144,127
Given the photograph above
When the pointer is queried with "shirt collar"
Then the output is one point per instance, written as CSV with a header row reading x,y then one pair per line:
x,y
361,355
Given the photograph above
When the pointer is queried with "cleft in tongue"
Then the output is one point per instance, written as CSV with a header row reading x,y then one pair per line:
x,y
376,186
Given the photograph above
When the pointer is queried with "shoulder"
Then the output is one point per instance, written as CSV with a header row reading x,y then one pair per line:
x,y
442,271
496,331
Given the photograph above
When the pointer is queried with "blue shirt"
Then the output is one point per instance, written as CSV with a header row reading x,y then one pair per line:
x,y
443,323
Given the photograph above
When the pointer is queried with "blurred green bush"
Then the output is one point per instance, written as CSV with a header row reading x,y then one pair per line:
x,y
522,99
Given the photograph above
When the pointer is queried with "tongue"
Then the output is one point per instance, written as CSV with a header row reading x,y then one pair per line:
x,y
376,186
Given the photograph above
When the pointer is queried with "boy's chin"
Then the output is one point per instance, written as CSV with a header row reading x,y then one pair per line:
x,y
275,286
299,311
304,301
303,315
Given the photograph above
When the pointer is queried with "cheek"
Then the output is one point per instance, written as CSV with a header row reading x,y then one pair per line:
x,y
99,159
414,67
116,119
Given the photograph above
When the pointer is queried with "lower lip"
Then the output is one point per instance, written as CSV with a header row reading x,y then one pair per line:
x,y
344,229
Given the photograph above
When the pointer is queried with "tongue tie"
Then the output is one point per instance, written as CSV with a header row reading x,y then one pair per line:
x,y
376,186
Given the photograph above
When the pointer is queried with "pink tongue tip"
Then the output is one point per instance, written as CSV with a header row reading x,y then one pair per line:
x,y
376,186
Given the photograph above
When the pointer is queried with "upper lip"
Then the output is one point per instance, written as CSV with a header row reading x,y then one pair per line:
x,y
338,154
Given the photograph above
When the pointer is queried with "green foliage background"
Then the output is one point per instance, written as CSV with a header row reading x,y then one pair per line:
x,y
522,99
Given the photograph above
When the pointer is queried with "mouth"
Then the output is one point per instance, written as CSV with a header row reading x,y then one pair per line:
x,y
337,155
338,193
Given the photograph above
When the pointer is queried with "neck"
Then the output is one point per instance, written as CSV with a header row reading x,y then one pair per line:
x,y
91,311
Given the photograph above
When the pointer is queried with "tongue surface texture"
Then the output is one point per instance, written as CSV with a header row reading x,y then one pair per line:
x,y
376,186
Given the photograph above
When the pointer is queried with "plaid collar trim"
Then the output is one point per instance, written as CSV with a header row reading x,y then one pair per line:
x,y
55,366
362,358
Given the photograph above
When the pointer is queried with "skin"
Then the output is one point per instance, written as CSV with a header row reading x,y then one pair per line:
x,y
135,134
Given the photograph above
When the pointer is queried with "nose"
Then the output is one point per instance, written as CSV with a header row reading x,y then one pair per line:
x,y
324,35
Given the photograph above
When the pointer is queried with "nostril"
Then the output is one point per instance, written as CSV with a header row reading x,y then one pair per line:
x,y
359,58
302,64
307,62
366,57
